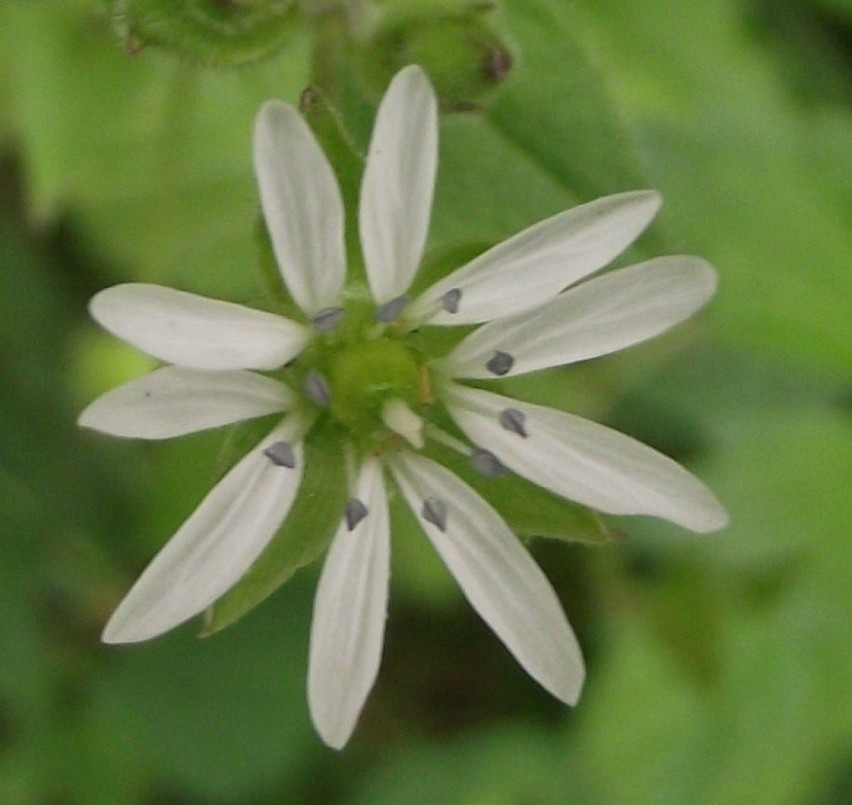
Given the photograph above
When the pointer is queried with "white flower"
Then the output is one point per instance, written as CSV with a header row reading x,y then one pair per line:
x,y
363,371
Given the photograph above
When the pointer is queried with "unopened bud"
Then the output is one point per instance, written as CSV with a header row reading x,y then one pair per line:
x,y
217,33
466,59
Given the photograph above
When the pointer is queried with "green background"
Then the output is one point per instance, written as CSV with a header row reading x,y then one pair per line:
x,y
720,666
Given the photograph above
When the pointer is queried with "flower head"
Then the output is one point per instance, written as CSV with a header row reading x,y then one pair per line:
x,y
360,358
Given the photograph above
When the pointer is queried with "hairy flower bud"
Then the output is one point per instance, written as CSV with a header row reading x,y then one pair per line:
x,y
459,48
222,33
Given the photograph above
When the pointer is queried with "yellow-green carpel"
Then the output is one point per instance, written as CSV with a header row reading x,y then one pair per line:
x,y
364,377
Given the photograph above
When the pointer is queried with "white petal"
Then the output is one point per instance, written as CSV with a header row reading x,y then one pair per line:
x,y
173,401
536,264
497,575
600,316
350,608
195,331
213,548
302,205
399,179
586,462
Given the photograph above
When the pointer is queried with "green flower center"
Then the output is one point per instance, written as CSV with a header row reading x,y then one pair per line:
x,y
364,376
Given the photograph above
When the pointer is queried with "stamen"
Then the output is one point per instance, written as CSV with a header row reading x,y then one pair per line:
x,y
356,511
424,387
327,319
513,420
442,437
450,300
486,463
389,311
281,454
316,387
402,420
435,511
500,364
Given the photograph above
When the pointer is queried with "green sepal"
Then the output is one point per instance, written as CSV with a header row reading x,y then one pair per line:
x,y
529,510
209,32
346,161
305,534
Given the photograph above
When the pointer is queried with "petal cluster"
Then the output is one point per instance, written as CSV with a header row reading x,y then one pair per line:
x,y
537,309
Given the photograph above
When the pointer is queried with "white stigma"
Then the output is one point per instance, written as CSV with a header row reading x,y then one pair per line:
x,y
402,420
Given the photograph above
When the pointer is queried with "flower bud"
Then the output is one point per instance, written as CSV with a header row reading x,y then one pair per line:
x,y
458,47
219,33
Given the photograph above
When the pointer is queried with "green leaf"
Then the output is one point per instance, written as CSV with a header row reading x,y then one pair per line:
x,y
557,106
219,720
776,628
755,183
505,764
304,536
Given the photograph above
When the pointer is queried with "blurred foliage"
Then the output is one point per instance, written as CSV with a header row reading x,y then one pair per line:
x,y
719,667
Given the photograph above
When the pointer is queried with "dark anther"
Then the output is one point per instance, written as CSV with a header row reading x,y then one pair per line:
x,y
316,387
327,319
435,511
281,454
389,311
500,364
450,300
513,420
486,463
356,511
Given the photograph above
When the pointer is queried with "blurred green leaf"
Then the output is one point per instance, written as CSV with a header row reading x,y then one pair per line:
x,y
737,162
778,713
557,106
504,765
843,7
222,720
153,155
